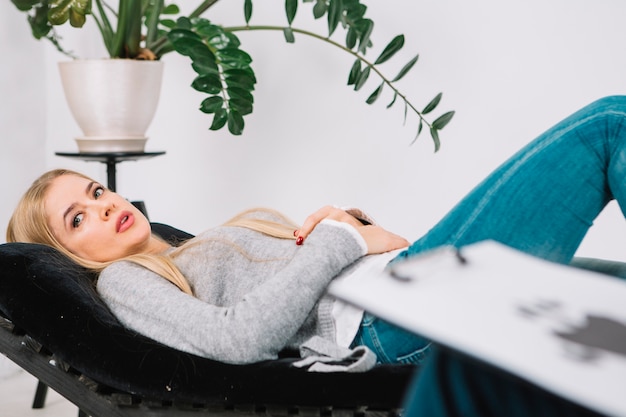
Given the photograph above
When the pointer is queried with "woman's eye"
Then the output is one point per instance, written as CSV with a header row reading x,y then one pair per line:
x,y
98,191
77,220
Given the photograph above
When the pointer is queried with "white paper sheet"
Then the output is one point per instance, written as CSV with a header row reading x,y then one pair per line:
x,y
561,328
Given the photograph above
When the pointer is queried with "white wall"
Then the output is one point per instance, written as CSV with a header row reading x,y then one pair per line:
x,y
23,109
509,69
22,118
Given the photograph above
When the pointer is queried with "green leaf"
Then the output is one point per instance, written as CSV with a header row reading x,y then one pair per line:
x,y
405,69
288,33
367,27
334,15
351,38
355,11
433,103
241,72
168,23
363,75
240,93
235,123
247,10
394,46
219,119
240,81
216,36
242,106
319,9
185,42
419,130
211,104
171,9
184,23
406,110
77,18
435,135
39,25
442,120
232,58
75,11
205,64
374,96
355,71
234,55
395,96
25,5
208,83
291,7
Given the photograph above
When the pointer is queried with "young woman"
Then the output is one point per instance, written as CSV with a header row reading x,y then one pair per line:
x,y
241,293
246,290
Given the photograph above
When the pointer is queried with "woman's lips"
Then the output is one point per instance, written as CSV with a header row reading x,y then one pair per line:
x,y
125,220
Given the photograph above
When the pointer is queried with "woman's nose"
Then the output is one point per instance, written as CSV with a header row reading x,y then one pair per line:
x,y
105,208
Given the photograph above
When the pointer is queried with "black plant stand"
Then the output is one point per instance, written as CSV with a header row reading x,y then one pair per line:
x,y
111,159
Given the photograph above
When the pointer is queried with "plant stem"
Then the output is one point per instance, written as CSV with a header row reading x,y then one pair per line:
x,y
202,8
153,23
132,16
119,36
108,34
160,45
338,45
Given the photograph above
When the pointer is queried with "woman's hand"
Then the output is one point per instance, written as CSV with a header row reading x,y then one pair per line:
x,y
326,212
378,240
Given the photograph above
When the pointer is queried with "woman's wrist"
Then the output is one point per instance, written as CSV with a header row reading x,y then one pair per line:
x,y
353,232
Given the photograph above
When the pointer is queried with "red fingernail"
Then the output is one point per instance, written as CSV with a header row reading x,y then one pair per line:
x,y
295,233
299,240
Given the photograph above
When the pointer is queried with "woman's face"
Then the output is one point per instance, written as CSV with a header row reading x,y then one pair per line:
x,y
93,222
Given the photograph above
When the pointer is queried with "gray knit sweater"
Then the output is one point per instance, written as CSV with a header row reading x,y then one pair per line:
x,y
254,295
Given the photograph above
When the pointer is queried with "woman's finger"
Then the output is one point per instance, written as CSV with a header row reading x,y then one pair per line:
x,y
326,212
310,222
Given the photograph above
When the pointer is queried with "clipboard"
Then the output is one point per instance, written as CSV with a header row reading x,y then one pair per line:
x,y
559,327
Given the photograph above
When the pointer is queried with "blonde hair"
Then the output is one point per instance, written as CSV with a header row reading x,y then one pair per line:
x,y
29,224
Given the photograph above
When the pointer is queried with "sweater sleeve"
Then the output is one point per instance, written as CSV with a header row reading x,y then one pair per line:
x,y
257,327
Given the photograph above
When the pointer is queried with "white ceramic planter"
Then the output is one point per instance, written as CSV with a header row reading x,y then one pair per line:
x,y
112,100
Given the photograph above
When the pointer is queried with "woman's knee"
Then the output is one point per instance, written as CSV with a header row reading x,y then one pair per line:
x,y
609,106
611,101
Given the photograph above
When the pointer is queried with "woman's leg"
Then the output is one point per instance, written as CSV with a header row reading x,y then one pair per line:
x,y
544,199
450,385
541,201
390,343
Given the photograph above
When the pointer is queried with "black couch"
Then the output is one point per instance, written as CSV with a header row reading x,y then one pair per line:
x,y
54,325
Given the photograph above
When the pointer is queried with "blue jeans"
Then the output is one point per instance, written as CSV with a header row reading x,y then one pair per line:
x,y
451,385
390,343
541,201
544,199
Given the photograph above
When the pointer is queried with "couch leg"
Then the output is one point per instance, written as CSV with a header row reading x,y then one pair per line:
x,y
40,395
40,398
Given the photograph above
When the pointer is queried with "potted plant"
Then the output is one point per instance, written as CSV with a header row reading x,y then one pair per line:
x,y
145,30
